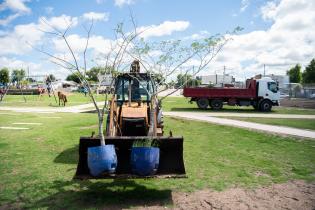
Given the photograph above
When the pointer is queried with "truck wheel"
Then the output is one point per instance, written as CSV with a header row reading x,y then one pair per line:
x,y
265,106
216,104
202,103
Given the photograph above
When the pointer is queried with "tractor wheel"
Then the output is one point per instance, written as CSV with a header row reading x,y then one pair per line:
x,y
216,104
202,103
265,106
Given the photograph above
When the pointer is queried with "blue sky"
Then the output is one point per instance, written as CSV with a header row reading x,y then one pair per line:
x,y
272,29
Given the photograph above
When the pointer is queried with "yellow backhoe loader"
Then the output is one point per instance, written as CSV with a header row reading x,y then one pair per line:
x,y
135,114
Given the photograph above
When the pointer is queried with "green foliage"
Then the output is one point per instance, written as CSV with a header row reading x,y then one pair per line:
x,y
73,99
4,76
75,77
92,74
187,80
309,73
30,80
17,75
145,143
295,74
50,78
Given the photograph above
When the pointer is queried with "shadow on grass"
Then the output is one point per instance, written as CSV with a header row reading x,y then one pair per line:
x,y
236,110
117,194
68,156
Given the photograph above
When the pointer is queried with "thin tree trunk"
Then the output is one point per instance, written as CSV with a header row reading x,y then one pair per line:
x,y
100,127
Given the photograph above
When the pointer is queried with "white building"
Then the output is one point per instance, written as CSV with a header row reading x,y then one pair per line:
x,y
217,79
281,79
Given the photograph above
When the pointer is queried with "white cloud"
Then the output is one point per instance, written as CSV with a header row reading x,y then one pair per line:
x,y
121,3
196,36
49,10
16,6
13,63
97,43
289,40
165,28
96,16
10,18
22,37
268,11
59,22
17,42
100,1
244,5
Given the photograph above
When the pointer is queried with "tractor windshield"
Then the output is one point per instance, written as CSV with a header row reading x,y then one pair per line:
x,y
141,89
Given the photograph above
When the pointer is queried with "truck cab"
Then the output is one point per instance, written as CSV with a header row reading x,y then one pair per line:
x,y
268,89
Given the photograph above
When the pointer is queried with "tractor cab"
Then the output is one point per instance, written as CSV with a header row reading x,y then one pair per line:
x,y
134,87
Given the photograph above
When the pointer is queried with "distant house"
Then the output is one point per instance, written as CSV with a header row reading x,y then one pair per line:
x,y
105,80
217,80
281,79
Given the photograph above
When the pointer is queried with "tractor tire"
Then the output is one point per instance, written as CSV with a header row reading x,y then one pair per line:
x,y
202,103
216,104
265,106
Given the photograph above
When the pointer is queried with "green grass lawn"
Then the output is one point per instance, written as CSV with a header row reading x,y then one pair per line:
x,y
37,165
45,101
295,123
182,104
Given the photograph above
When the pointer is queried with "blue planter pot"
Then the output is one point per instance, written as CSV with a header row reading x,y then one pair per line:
x,y
102,159
145,160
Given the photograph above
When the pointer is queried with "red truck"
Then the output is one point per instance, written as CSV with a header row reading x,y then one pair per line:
x,y
262,94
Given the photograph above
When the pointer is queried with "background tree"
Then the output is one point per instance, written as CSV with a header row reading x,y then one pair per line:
x,y
309,73
50,78
4,76
183,79
75,77
187,80
30,80
18,75
94,72
295,74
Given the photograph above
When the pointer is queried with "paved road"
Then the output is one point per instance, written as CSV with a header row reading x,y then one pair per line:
x,y
71,109
254,115
248,125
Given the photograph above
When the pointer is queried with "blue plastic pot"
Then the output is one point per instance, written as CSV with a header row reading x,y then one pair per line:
x,y
102,159
145,160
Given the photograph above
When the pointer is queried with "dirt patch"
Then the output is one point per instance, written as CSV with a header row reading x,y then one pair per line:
x,y
298,102
292,195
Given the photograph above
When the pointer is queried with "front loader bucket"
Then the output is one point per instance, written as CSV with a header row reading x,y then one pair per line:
x,y
171,157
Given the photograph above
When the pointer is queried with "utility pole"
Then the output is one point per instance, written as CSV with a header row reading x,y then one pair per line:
x,y
264,70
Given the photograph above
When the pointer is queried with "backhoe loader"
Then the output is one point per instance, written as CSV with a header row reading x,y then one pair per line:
x,y
135,114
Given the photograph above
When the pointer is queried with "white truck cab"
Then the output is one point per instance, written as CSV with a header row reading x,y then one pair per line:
x,y
268,90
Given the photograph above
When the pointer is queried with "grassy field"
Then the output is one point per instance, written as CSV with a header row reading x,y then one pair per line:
x,y
182,104
45,101
37,165
295,123
169,104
